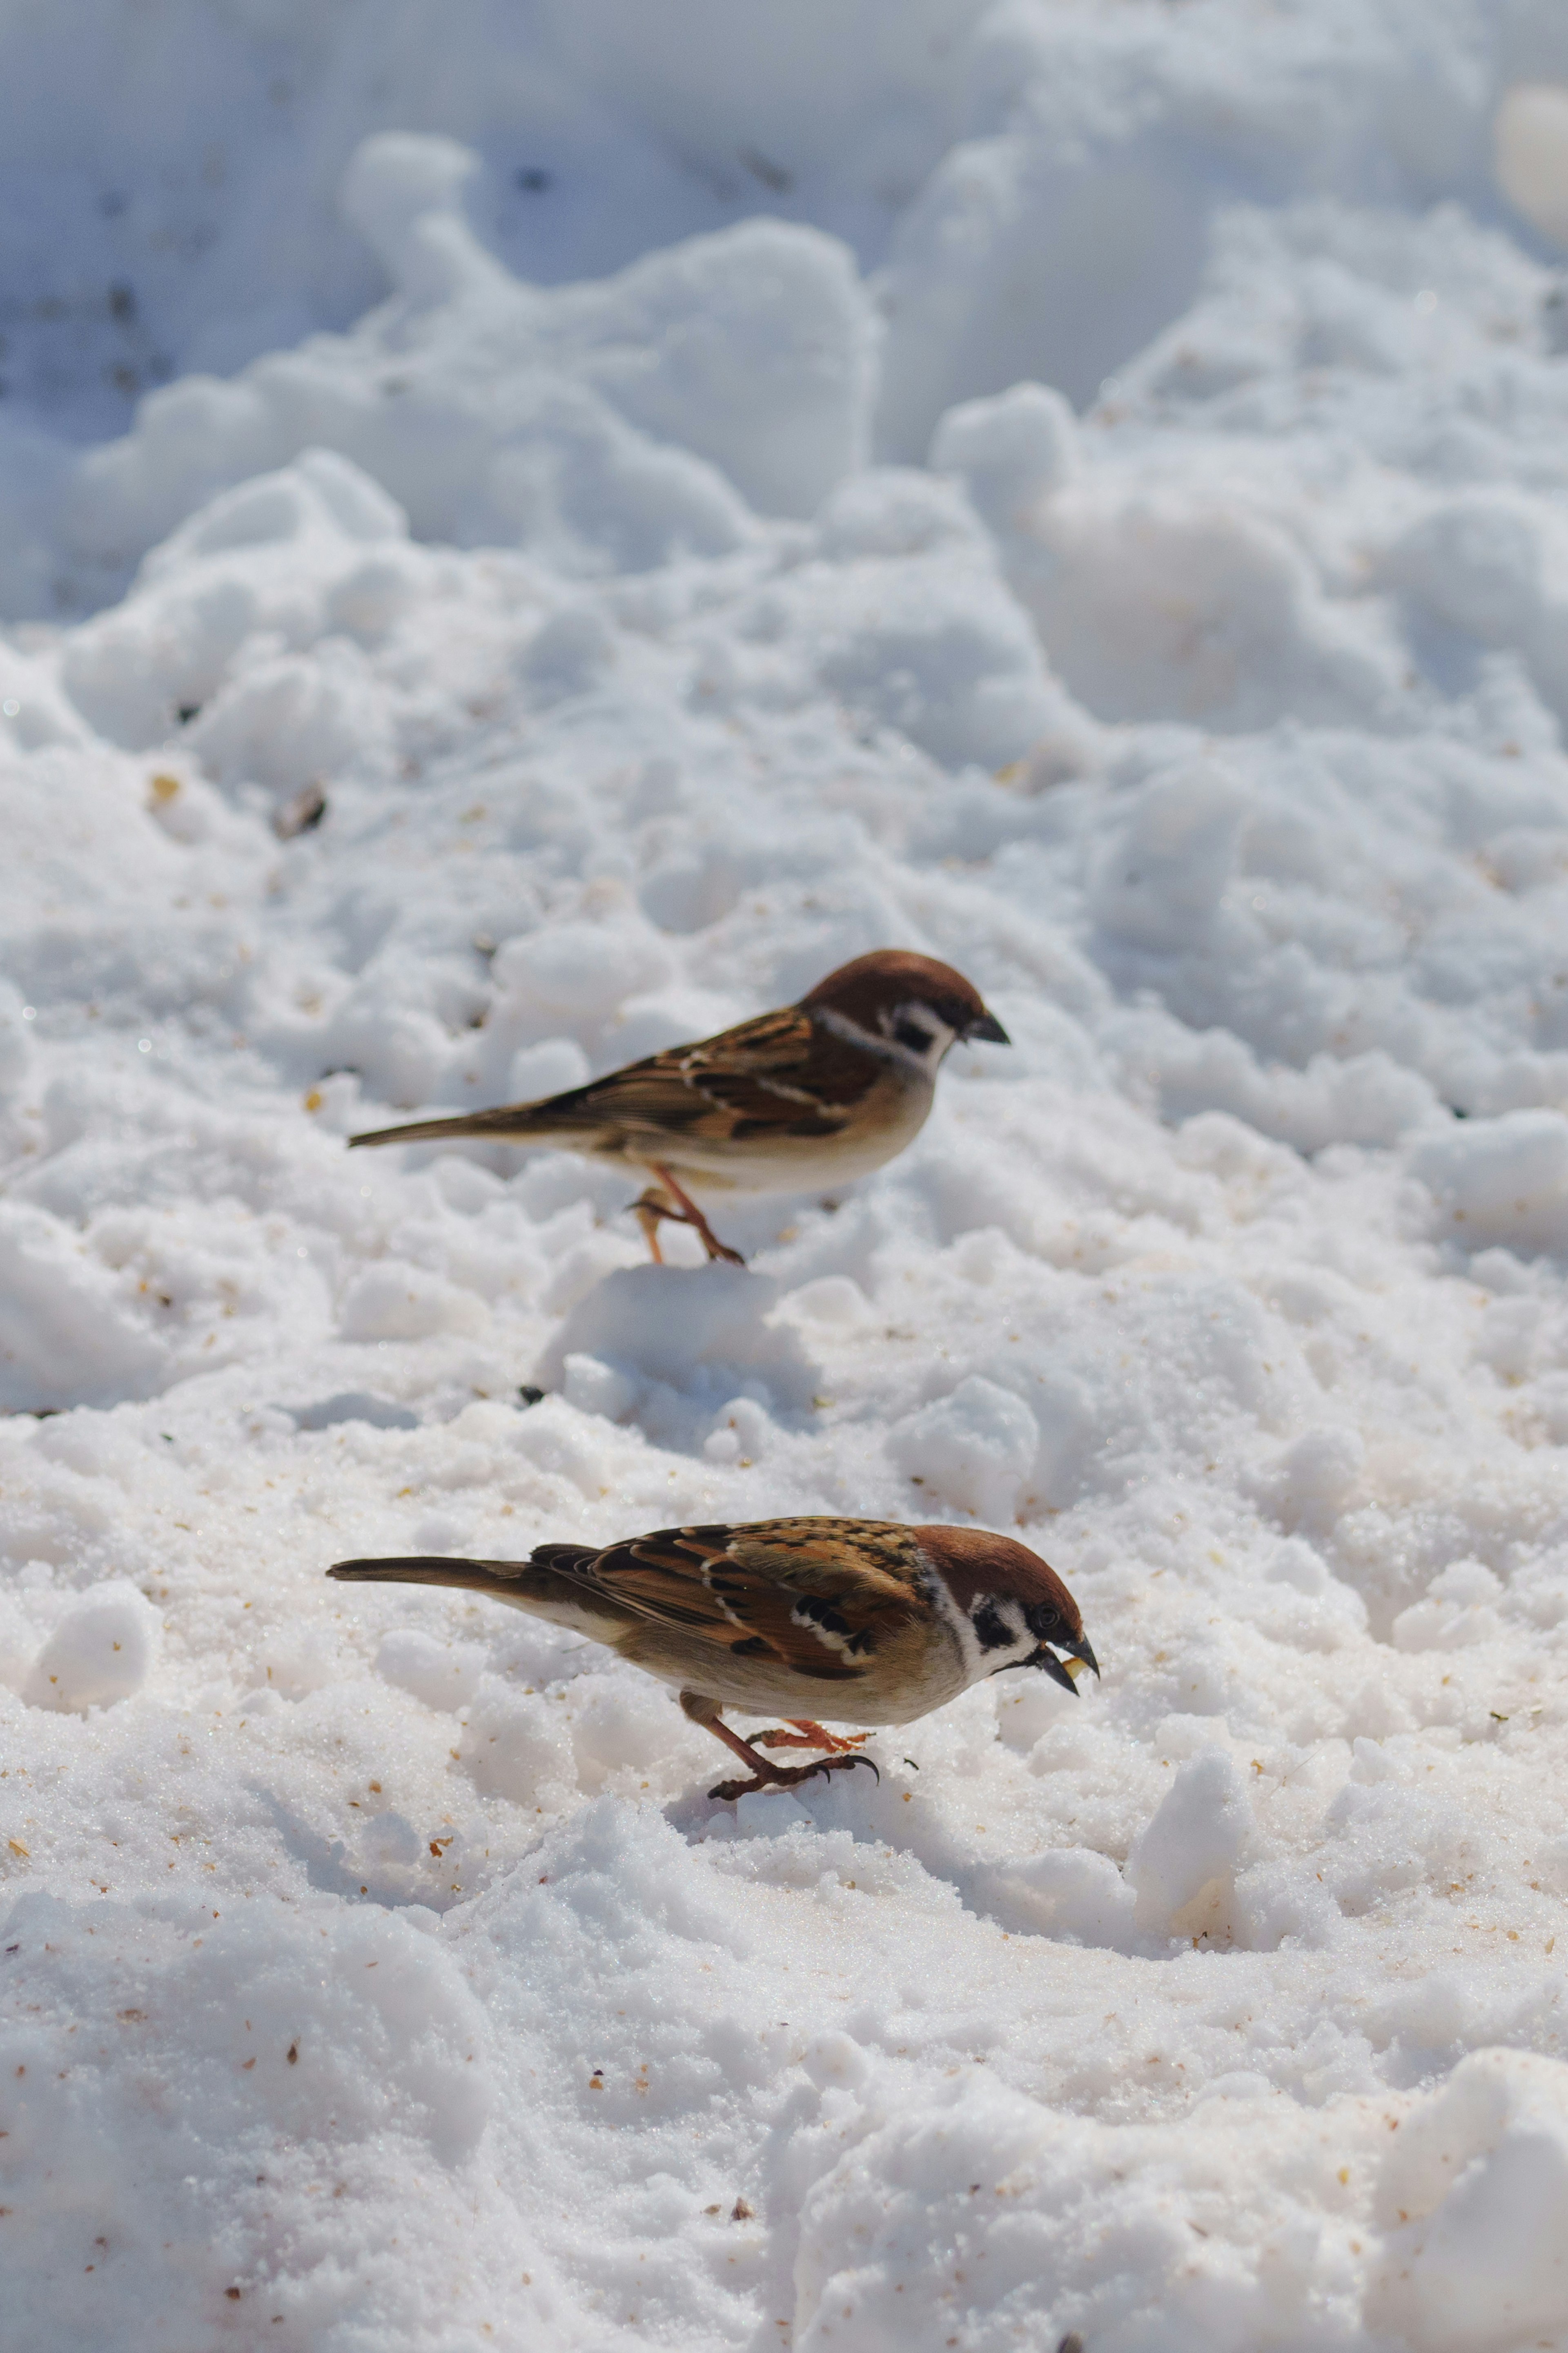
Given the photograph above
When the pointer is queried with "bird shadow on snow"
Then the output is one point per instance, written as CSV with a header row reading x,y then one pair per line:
x,y
702,1332
351,1405
1064,1896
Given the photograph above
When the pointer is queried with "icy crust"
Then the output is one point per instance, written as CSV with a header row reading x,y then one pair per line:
x,y
378,1972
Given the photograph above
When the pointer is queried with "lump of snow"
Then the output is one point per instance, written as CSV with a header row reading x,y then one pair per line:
x,y
403,191
566,656
1010,452
321,495
1499,1180
947,659
1173,604
1473,2197
393,1301
594,1387
892,510
1198,1834
753,348
572,977
972,1449
1067,1892
1460,1609
520,1745
1045,208
496,410
102,1651
1476,560
1163,876
289,722
256,567
67,1336
445,1675
1318,1469
703,1330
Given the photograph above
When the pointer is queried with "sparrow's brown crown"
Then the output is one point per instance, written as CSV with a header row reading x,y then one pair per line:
x,y
974,1561
876,984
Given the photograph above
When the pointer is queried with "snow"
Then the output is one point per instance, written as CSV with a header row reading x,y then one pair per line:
x,y
1081,490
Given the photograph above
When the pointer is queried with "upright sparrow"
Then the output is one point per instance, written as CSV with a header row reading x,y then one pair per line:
x,y
812,1095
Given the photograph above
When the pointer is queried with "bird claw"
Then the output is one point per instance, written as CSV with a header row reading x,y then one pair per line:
x,y
785,1777
651,1213
834,1744
654,1204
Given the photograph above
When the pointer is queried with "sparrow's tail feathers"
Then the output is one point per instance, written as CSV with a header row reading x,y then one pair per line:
x,y
420,1568
546,1584
519,1121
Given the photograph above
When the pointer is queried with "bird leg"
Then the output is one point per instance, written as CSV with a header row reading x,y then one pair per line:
x,y
766,1774
648,1212
690,1215
808,1733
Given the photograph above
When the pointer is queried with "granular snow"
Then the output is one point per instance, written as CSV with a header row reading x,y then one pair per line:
x,y
621,462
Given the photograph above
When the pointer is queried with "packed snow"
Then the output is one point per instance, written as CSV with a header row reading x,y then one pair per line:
x,y
530,535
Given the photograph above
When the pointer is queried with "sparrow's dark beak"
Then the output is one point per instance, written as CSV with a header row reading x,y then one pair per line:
x,y
1058,1669
1053,1667
988,1028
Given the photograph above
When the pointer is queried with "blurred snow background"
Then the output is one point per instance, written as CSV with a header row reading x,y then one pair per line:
x,y
682,493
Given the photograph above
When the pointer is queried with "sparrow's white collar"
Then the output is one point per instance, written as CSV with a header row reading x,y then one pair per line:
x,y
976,1630
916,1018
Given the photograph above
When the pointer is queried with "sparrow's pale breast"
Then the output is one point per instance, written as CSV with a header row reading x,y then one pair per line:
x,y
891,1115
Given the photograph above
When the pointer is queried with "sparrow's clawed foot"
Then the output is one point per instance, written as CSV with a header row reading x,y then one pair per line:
x,y
654,1209
766,1775
785,1777
806,1733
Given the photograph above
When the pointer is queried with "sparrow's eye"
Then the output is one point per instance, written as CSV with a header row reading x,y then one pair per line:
x,y
911,1031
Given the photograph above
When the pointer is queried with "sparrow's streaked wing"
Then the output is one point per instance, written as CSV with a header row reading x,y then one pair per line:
x,y
816,1595
782,1075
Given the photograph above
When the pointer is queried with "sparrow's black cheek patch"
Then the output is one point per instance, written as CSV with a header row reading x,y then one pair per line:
x,y
992,1631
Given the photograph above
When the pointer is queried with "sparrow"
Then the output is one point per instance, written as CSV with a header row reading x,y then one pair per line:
x,y
809,1096
862,1621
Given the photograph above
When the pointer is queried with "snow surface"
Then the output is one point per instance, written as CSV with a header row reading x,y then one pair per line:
x,y
703,491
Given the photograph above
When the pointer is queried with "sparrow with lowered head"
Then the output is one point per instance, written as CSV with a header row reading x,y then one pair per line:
x,y
809,1096
861,1620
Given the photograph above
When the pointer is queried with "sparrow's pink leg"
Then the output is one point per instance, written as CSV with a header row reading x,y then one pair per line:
x,y
651,1211
648,1217
694,1217
808,1733
765,1774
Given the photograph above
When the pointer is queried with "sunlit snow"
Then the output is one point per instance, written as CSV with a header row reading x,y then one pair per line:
x,y
701,492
